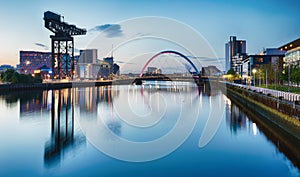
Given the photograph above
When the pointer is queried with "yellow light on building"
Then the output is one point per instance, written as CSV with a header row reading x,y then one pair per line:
x,y
37,71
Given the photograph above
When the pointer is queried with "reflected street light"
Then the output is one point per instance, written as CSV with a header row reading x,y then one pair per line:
x,y
254,71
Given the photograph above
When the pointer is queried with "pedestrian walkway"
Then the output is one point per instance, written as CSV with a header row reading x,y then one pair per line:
x,y
275,93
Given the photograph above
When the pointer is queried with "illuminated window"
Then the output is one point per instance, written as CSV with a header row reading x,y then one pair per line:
x,y
259,60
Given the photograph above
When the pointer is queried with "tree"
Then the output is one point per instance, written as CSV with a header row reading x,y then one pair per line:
x,y
233,75
13,77
231,72
295,75
8,75
284,75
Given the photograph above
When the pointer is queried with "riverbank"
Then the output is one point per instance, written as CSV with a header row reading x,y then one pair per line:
x,y
283,140
69,84
275,112
285,88
60,85
49,86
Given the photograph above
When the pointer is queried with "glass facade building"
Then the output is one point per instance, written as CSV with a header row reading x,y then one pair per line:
x,y
293,57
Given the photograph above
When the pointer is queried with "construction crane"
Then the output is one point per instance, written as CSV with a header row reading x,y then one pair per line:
x,y
62,45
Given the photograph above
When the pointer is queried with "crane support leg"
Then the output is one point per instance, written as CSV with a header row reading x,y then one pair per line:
x,y
62,57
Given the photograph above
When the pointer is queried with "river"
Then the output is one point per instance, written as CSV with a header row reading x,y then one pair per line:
x,y
155,129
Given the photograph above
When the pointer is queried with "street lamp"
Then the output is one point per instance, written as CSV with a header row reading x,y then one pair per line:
x,y
266,77
289,77
254,71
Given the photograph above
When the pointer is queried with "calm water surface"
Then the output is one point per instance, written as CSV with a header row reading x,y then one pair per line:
x,y
56,133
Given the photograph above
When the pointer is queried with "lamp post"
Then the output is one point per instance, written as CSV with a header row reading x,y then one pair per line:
x,y
289,77
254,71
266,77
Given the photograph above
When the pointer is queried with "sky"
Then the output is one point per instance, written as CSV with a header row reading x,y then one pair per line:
x,y
263,24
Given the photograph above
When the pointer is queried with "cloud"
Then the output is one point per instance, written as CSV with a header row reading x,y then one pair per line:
x,y
143,34
123,62
42,45
206,58
111,30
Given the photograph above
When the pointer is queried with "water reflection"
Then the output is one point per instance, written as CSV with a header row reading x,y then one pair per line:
x,y
43,126
88,97
236,119
137,116
30,101
239,119
62,139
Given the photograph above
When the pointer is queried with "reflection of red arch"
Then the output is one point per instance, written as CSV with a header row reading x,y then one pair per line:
x,y
168,52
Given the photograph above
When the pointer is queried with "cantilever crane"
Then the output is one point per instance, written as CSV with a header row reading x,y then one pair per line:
x,y
62,44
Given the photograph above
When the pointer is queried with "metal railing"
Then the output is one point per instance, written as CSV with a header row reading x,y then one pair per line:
x,y
275,93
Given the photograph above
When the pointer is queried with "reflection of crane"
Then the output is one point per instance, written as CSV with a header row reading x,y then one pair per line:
x,y
63,138
62,44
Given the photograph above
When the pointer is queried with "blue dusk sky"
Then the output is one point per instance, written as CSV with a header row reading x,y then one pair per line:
x,y
264,24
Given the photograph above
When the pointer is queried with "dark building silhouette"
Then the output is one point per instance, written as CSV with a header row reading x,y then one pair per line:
x,y
116,69
210,71
235,52
3,68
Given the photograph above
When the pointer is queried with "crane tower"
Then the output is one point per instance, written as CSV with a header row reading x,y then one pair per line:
x,y
62,44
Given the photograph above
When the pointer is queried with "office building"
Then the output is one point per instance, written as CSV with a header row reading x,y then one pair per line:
x,y
87,66
105,70
88,56
235,52
88,70
153,70
110,61
210,71
116,69
276,62
3,68
292,55
44,71
18,68
33,60
273,51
